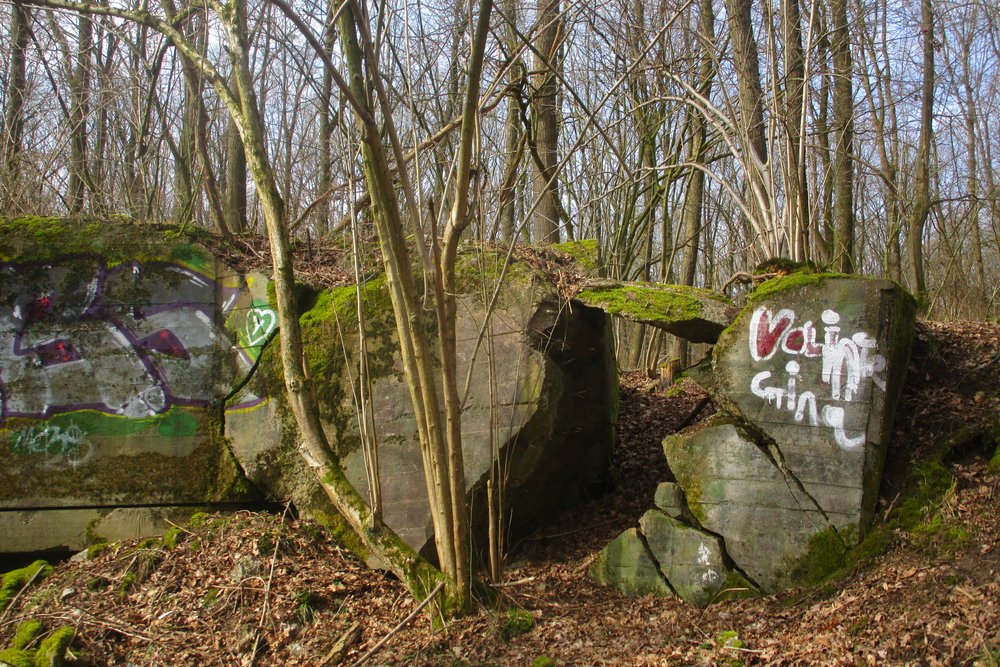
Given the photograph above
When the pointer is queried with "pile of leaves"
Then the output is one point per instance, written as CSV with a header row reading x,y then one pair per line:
x,y
270,589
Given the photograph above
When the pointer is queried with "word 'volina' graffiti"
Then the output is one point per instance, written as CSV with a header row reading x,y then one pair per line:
x,y
848,366
61,447
132,340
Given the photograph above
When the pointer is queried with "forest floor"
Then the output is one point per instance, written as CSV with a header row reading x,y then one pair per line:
x,y
269,589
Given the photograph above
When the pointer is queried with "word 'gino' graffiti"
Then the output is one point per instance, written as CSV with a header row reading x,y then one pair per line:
x,y
132,340
848,367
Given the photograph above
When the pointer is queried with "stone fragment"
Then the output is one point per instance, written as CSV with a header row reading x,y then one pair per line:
x,y
691,560
734,489
627,565
670,498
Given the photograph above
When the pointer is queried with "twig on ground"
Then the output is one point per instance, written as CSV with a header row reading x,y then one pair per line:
x,y
406,621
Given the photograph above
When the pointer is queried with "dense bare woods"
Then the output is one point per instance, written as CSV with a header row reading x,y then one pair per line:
x,y
857,134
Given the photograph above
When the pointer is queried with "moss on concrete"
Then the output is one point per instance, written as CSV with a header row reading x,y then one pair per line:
x,y
47,238
825,555
15,580
147,476
795,280
586,253
650,303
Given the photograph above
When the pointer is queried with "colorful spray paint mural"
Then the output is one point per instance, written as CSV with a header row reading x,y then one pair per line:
x,y
131,340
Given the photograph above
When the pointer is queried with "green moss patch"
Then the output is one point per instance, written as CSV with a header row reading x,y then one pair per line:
x,y
15,580
586,253
650,303
47,238
826,554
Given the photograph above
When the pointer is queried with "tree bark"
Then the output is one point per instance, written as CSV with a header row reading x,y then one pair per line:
x,y
795,173
751,118
14,113
844,252
545,104
78,168
921,195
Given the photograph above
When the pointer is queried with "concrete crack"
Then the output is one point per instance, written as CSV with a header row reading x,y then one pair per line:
x,y
770,449
654,559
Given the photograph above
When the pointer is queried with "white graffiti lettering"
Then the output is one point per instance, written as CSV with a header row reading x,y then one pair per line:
x,y
847,363
61,448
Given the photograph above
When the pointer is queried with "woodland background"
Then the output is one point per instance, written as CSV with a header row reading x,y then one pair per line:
x,y
692,139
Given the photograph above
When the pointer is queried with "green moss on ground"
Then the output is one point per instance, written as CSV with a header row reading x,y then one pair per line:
x,y
994,464
51,652
826,554
517,622
26,633
15,580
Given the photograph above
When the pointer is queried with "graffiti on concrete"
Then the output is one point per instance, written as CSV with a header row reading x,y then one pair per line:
x,y
61,447
132,340
847,366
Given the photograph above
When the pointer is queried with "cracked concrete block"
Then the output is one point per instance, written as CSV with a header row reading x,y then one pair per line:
x,y
626,564
735,489
691,560
816,364
669,497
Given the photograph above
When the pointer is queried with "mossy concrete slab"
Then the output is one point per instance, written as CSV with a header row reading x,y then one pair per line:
x,y
539,387
816,364
626,564
691,559
692,313
736,490
75,529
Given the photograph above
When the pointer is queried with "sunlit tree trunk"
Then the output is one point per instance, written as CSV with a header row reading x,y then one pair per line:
x,y
751,119
844,251
922,196
17,84
79,114
795,172
545,104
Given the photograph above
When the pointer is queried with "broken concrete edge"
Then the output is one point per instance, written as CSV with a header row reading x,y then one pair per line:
x,y
817,549
826,547
561,361
894,324
693,313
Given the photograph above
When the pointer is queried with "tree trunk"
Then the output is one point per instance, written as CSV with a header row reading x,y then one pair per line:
x,y
513,139
844,252
751,120
236,160
545,104
14,113
78,168
922,196
795,174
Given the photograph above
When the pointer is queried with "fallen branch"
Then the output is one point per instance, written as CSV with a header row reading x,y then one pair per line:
x,y
406,621
343,644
